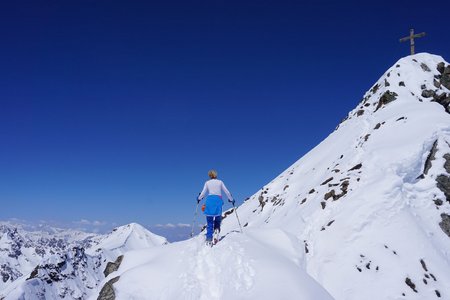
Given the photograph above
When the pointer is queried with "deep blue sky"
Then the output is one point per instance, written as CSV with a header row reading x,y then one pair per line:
x,y
116,110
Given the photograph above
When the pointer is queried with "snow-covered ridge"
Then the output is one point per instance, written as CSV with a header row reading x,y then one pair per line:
x,y
63,264
371,203
125,238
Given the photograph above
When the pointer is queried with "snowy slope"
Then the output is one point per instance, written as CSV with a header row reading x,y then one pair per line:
x,y
371,203
258,265
78,266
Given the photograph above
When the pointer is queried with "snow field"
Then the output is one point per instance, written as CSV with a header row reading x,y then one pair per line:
x,y
254,265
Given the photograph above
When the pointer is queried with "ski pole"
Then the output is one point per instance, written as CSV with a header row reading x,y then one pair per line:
x,y
195,218
237,217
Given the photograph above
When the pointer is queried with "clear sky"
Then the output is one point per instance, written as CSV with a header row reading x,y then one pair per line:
x,y
114,111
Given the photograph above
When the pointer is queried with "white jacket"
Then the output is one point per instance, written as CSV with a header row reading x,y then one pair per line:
x,y
215,187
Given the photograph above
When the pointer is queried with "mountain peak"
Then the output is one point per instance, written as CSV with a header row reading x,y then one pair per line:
x,y
127,237
414,81
371,202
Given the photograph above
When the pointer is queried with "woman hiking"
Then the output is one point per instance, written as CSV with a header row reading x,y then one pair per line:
x,y
213,204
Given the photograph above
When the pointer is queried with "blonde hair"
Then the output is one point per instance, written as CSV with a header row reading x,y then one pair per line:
x,y
212,174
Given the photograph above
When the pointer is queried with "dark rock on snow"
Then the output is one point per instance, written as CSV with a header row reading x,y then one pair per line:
x,y
427,93
386,98
113,266
107,292
445,224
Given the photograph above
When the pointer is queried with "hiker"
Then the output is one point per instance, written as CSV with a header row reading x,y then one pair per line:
x,y
213,204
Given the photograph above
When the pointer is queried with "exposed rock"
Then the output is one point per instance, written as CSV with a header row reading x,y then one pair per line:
x,y
311,191
359,113
34,273
386,83
375,88
436,84
439,98
444,100
401,83
358,166
344,185
445,224
261,201
326,181
443,183
425,67
323,204
410,284
428,93
447,162
424,266
445,79
9,273
377,126
386,98
438,202
113,266
430,158
441,67
401,118
366,137
107,292
330,194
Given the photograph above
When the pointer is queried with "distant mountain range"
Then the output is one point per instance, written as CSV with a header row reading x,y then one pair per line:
x,y
62,264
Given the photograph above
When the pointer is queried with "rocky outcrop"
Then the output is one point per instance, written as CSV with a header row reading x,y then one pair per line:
x,y
443,180
445,79
113,266
445,224
428,93
430,158
443,183
107,292
447,162
386,98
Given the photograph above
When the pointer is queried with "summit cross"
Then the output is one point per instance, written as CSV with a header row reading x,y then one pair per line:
x,y
411,38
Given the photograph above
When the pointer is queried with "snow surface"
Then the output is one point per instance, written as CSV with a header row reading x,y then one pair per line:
x,y
255,265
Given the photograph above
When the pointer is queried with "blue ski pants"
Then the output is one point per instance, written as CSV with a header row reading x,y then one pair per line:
x,y
212,223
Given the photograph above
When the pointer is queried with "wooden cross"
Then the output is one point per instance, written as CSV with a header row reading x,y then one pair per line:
x,y
411,38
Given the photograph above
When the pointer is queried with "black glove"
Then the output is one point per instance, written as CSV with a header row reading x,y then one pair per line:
x,y
231,201
198,200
